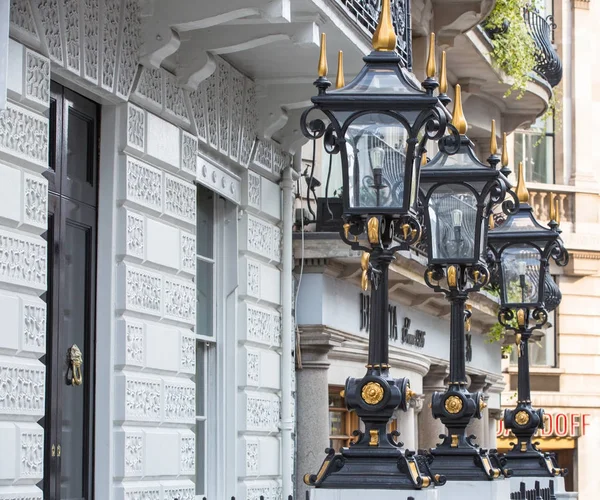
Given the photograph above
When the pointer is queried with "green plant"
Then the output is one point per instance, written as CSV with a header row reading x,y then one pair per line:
x,y
514,49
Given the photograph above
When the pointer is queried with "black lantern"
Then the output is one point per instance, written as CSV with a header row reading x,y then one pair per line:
x,y
521,250
457,195
376,124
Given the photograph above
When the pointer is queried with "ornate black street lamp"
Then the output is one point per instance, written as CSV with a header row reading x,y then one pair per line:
x,y
457,195
376,123
521,250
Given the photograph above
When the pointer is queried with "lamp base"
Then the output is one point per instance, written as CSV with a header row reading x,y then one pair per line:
x,y
533,463
374,468
465,464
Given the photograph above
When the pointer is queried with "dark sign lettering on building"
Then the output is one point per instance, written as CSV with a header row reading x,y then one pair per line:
x,y
416,339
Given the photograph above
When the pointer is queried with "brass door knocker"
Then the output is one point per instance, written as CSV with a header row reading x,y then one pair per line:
x,y
75,359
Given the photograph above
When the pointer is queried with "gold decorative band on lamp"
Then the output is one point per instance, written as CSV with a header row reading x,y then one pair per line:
x,y
522,192
492,223
424,159
340,82
384,38
458,116
522,418
323,56
451,276
504,160
493,143
443,75
431,68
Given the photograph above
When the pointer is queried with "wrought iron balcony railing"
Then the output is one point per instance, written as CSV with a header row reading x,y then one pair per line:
x,y
549,65
366,14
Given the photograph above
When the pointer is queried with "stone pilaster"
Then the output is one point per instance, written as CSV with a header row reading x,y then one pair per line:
x,y
479,426
430,428
313,402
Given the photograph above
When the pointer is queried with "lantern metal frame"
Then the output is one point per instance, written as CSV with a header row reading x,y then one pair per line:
x,y
522,318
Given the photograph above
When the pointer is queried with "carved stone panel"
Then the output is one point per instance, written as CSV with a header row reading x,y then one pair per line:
x,y
143,291
142,399
22,389
35,209
180,402
144,184
180,300
180,199
37,78
23,260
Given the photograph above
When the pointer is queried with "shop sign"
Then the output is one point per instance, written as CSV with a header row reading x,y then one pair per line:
x,y
556,425
416,339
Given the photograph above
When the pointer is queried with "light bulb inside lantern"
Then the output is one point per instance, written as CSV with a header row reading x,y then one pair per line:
x,y
457,217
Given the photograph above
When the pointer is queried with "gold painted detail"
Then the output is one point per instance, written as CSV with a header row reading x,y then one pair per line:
x,y
58,450
522,418
343,393
431,67
493,143
405,230
384,38
469,308
522,192
482,405
521,317
458,115
410,394
476,275
454,443
323,57
453,404
340,82
523,446
426,481
518,342
76,360
374,441
346,230
443,75
492,223
414,472
364,264
556,211
372,393
451,276
373,230
424,159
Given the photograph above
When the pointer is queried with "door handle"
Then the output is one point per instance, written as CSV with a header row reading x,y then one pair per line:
x,y
75,359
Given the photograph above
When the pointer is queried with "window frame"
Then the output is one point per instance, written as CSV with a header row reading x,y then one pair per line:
x,y
547,132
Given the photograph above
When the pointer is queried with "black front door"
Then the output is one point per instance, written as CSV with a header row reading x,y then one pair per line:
x,y
71,297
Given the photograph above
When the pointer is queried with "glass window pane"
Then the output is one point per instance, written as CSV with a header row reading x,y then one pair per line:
x,y
200,378
204,222
376,149
336,423
520,271
453,219
80,152
201,458
204,298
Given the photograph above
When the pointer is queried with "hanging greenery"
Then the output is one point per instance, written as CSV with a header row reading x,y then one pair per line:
x,y
514,49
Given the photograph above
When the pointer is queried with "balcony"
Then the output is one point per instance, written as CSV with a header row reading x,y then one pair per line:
x,y
366,14
541,29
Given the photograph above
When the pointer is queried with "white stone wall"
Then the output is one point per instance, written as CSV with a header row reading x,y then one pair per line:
x,y
23,262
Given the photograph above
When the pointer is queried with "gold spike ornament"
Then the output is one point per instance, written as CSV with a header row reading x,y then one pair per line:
x,y
504,160
443,75
431,69
522,192
493,143
458,116
364,265
384,38
340,82
323,56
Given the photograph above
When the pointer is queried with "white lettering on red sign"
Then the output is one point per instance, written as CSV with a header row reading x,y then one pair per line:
x,y
559,425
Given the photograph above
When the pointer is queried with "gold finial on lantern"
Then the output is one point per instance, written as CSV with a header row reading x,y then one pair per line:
x,y
323,56
431,67
493,142
384,38
458,116
504,160
522,192
443,75
340,82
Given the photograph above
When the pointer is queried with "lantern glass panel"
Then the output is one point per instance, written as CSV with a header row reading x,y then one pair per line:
x,y
381,80
520,264
376,155
453,220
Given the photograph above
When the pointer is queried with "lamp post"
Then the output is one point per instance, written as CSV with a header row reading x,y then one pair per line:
x,y
457,195
521,249
376,123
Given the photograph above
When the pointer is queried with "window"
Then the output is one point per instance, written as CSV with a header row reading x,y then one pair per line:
x,y
343,422
216,281
535,148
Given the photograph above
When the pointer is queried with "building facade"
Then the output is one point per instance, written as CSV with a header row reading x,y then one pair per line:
x,y
149,155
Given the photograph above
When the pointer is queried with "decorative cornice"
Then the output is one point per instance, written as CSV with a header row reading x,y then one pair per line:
x,y
582,4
